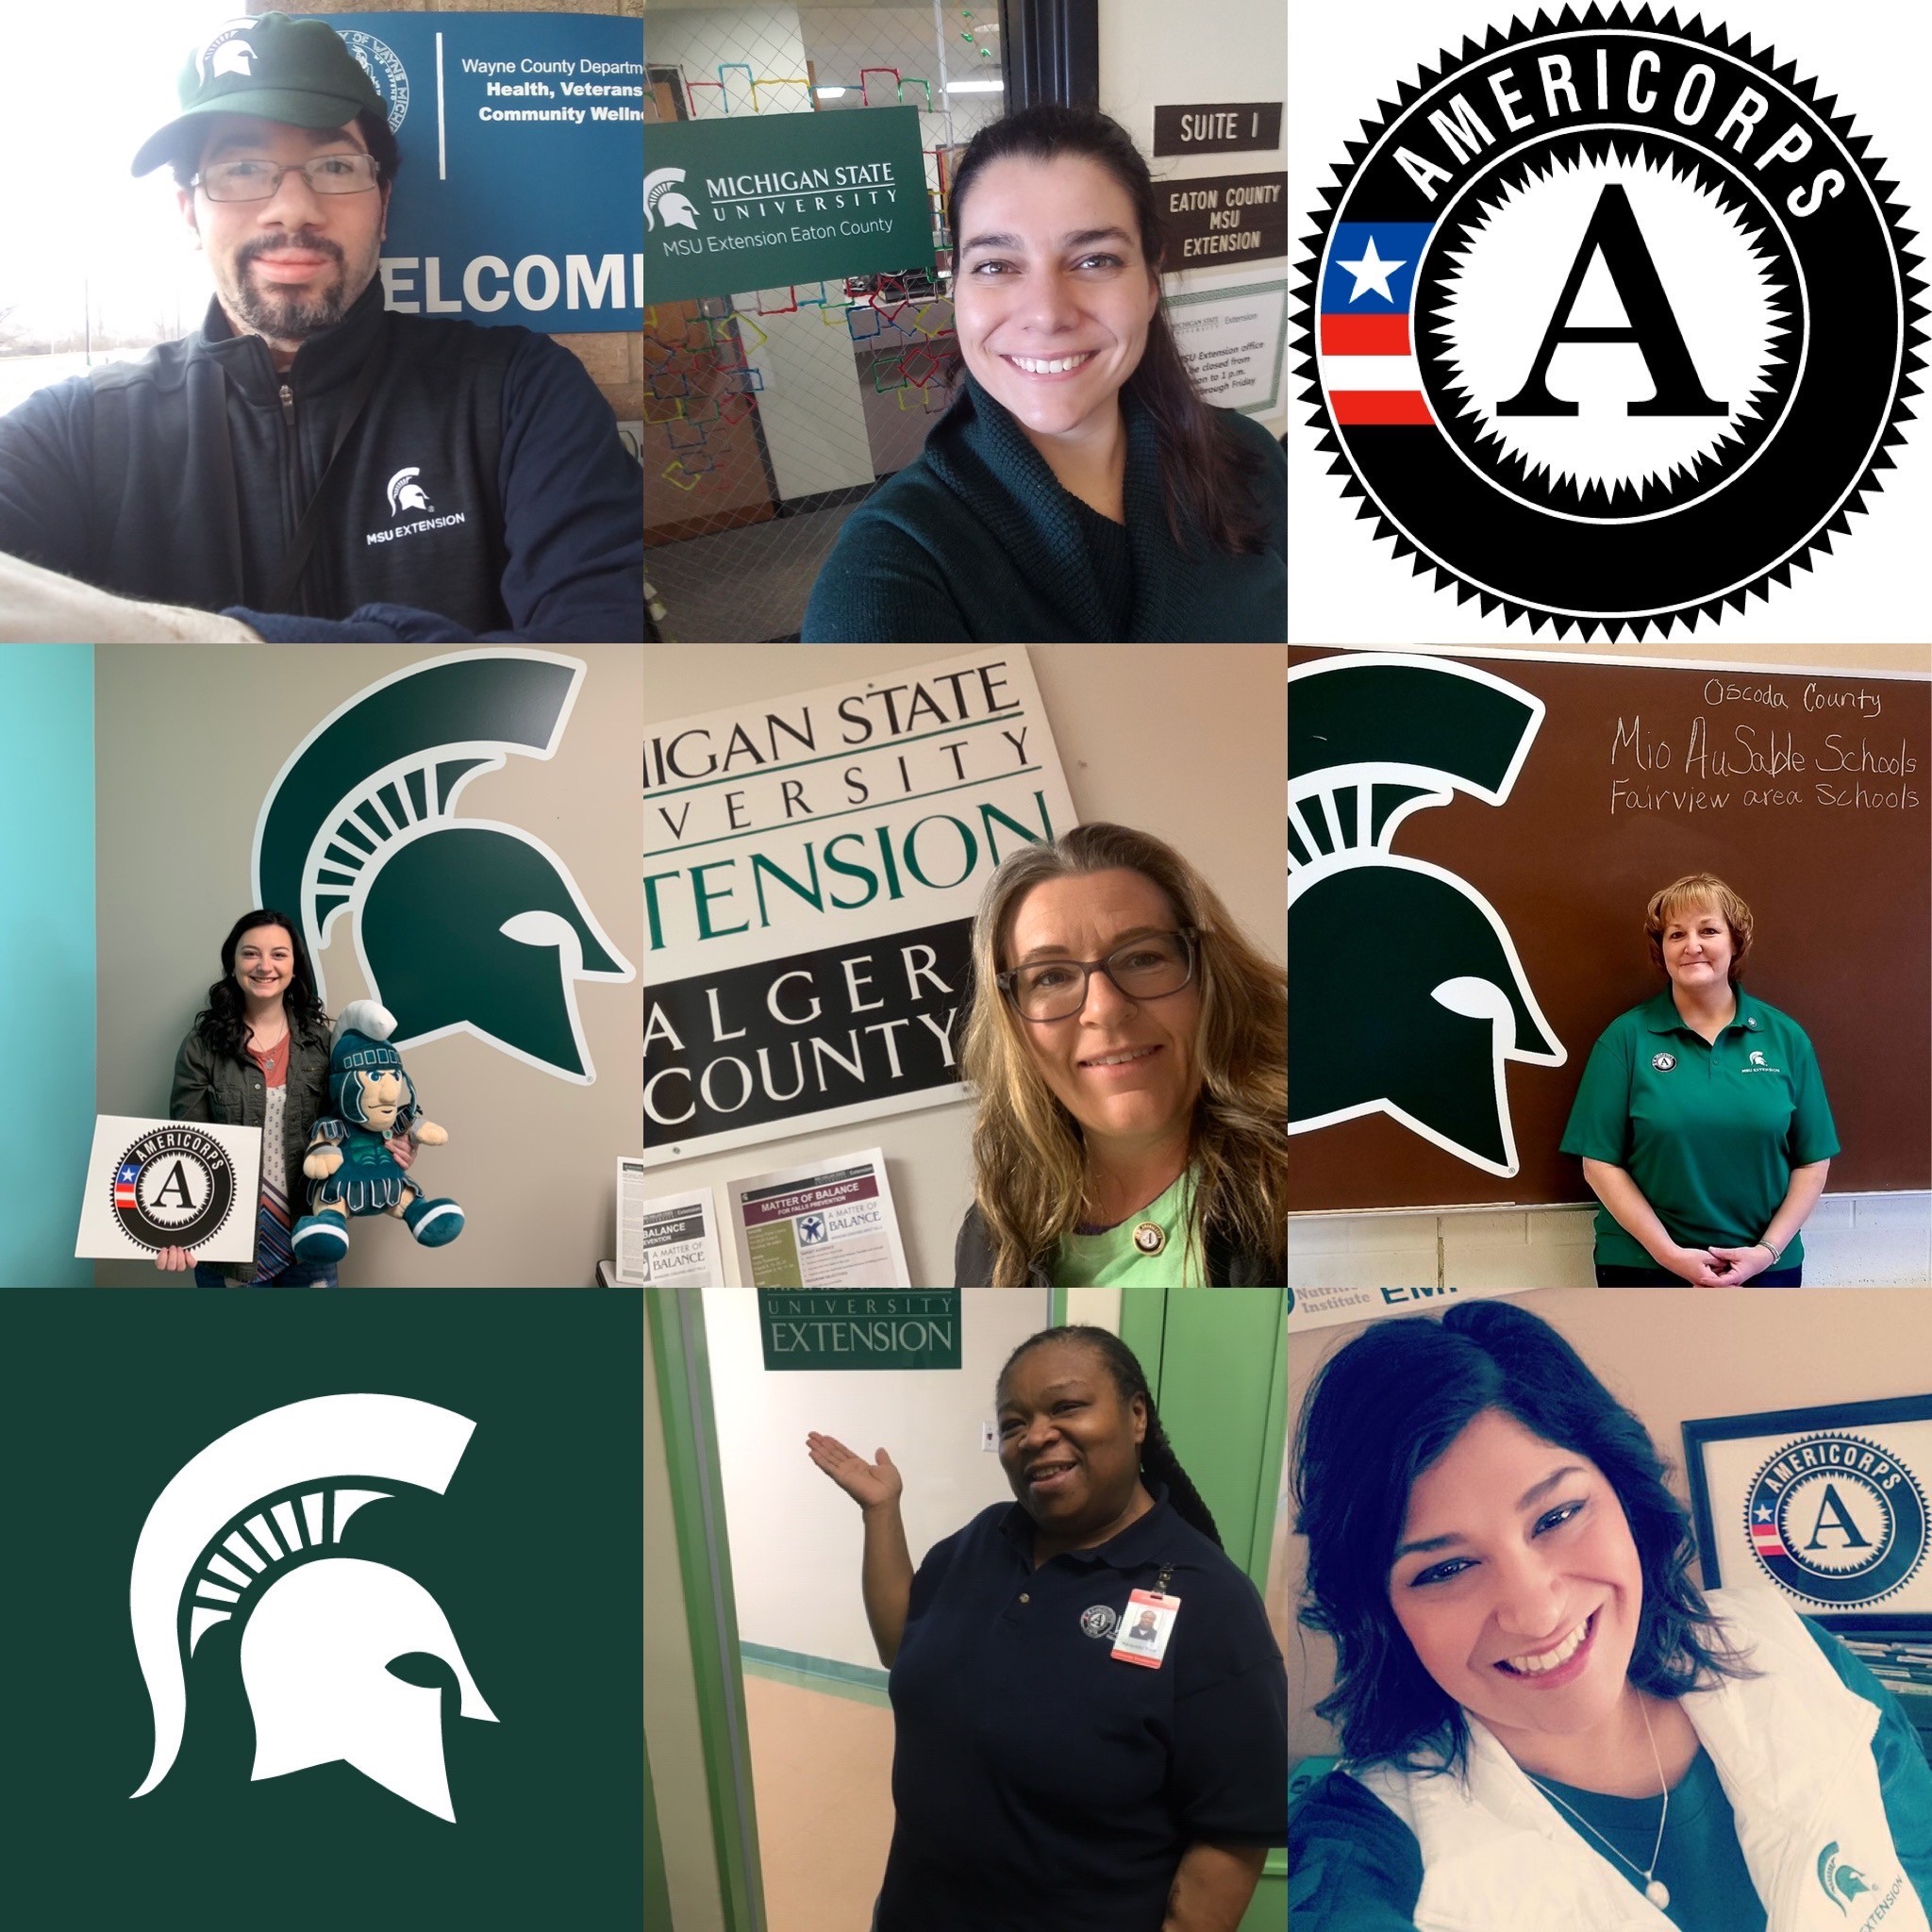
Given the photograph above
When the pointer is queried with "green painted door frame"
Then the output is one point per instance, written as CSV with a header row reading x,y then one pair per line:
x,y
677,1318
1217,1361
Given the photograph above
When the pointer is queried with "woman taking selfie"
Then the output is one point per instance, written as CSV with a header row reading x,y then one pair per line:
x,y
1543,1723
1078,487
1054,1769
1130,1061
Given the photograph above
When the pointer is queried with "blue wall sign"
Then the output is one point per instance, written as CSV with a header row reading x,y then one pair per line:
x,y
519,198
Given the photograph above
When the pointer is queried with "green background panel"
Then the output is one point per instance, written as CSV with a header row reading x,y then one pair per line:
x,y
534,1554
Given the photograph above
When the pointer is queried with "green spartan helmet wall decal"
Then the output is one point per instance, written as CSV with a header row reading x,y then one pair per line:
x,y
460,924
1406,996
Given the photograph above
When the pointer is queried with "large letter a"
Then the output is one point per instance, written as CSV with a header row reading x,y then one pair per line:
x,y
1614,234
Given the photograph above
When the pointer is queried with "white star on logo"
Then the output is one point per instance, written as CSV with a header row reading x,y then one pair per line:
x,y
1372,272
1763,1514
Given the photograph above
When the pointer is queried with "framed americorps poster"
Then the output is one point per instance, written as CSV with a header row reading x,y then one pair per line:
x,y
1829,1504
811,864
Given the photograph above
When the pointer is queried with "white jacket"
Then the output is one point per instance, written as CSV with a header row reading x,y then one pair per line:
x,y
1793,1751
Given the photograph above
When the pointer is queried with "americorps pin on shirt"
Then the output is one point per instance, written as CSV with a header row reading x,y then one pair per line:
x,y
1609,322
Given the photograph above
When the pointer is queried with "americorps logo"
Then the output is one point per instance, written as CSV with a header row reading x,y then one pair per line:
x,y
1610,319
1836,1519
1408,995
251,1531
460,924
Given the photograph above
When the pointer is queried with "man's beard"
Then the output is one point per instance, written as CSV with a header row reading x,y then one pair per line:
x,y
291,312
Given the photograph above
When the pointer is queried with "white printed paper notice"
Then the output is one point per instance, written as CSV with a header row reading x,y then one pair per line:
x,y
669,1241
830,1225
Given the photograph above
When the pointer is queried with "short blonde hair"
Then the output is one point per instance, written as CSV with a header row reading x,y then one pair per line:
x,y
1699,888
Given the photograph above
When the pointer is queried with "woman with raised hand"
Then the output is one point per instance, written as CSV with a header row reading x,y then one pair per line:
x,y
1545,1724
1046,1776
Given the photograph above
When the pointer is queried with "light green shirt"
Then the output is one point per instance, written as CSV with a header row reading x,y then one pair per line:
x,y
1112,1260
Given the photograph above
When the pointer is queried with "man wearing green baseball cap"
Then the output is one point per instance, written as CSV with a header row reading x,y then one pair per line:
x,y
309,464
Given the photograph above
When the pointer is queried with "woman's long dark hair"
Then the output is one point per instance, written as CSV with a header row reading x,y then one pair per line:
x,y
222,1022
1384,1409
1159,1463
1210,475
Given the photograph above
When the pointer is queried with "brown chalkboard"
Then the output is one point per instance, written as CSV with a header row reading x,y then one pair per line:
x,y
1810,792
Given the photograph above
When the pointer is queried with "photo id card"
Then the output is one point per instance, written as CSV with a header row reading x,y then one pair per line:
x,y
1145,1628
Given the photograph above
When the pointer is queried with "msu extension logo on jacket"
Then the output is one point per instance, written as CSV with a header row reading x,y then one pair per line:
x,y
483,494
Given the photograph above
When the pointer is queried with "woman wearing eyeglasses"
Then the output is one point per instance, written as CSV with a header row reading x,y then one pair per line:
x,y
1129,1054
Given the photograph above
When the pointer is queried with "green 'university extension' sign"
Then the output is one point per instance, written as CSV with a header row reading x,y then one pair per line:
x,y
769,201
813,1328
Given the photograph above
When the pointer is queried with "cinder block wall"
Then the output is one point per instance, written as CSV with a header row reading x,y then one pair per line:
x,y
615,360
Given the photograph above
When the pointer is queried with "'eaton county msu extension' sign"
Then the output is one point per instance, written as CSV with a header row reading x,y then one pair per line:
x,y
773,200
517,200
803,1328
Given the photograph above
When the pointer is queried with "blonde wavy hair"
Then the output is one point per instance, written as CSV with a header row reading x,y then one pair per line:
x,y
1693,892
1027,1155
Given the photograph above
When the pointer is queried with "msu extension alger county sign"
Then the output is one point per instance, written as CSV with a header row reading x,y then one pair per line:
x,y
773,201
1610,322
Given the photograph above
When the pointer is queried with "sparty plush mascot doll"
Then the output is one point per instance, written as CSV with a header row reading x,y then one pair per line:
x,y
350,1168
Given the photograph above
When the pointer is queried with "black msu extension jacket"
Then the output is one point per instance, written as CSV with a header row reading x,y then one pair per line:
x,y
484,493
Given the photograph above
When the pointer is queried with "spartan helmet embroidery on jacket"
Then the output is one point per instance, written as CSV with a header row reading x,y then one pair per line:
x,y
460,924
253,1526
1406,996
404,493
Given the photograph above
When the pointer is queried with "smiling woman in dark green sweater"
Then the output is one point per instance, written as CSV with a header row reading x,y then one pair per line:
x,y
1078,488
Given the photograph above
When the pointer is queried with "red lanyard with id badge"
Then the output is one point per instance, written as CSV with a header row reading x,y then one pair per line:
x,y
1148,1624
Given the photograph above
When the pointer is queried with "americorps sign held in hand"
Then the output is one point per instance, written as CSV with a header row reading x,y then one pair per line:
x,y
517,201
769,201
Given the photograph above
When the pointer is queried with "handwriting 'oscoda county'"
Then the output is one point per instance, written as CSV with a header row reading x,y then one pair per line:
x,y
1610,322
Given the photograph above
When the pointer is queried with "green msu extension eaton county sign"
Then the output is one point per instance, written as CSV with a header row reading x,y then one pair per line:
x,y
771,201
820,1328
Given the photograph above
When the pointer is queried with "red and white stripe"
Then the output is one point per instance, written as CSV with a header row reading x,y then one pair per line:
x,y
1766,1540
1369,371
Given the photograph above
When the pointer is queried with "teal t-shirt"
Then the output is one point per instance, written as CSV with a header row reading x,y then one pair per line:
x,y
1113,1258
1353,1866
1709,1130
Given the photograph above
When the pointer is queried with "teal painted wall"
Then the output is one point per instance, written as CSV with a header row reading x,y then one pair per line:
x,y
46,956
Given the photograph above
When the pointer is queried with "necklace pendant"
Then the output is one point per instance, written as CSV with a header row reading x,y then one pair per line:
x,y
1658,1893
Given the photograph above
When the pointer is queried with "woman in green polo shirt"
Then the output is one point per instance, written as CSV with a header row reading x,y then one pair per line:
x,y
1702,1121
1129,1047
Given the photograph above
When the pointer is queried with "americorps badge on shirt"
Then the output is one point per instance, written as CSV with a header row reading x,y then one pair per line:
x,y
1145,1628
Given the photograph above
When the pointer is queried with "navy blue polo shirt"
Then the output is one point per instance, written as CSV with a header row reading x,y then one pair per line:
x,y
1042,1785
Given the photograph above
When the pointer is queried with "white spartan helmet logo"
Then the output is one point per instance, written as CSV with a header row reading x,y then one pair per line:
x,y
229,52
321,1628
404,493
662,198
